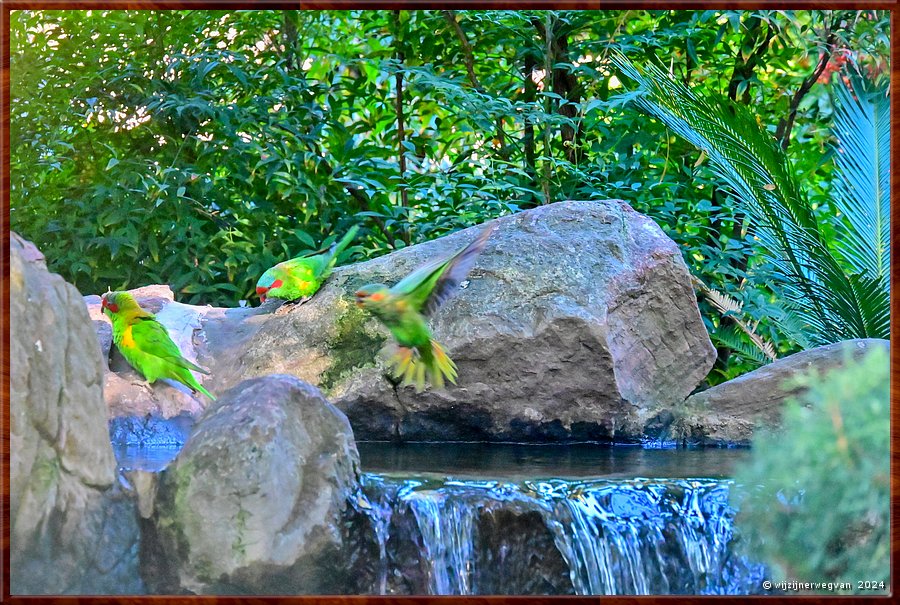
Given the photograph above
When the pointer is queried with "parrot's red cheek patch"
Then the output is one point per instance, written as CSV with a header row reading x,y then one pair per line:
x,y
112,307
276,284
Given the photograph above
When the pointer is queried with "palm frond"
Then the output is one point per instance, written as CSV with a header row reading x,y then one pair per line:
x,y
862,179
723,302
733,308
791,322
756,172
737,341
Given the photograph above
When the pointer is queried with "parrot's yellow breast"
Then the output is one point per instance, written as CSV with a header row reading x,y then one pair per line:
x,y
127,338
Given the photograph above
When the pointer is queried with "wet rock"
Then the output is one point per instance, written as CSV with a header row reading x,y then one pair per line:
x,y
72,529
578,321
728,413
254,502
517,555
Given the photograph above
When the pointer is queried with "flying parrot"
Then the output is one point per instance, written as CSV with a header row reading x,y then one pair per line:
x,y
145,343
404,307
301,277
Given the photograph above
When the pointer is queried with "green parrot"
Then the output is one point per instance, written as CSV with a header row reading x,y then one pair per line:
x,y
145,343
301,277
404,307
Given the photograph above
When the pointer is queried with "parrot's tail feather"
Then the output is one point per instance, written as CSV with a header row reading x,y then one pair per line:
x,y
443,365
200,388
416,367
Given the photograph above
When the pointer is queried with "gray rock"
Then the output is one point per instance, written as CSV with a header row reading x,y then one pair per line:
x,y
729,412
578,321
73,531
254,501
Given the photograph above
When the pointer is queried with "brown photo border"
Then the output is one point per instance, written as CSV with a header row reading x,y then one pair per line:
x,y
9,5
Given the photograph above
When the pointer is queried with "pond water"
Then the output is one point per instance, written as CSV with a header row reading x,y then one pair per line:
x,y
527,461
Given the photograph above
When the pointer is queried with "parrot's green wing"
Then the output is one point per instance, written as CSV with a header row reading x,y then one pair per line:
x,y
305,267
430,285
153,339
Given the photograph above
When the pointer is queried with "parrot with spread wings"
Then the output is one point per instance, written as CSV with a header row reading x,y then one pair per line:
x,y
404,307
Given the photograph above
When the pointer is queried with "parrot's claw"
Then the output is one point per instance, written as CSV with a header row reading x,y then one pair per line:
x,y
290,306
142,383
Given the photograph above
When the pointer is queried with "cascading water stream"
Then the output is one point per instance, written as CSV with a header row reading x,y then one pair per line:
x,y
448,533
626,537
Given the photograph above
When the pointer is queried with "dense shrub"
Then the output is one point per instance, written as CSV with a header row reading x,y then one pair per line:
x,y
815,496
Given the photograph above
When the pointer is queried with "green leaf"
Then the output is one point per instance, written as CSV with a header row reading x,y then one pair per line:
x,y
305,239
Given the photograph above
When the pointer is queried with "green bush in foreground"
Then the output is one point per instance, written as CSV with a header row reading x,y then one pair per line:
x,y
815,497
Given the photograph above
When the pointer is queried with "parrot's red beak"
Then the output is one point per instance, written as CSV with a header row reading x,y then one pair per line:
x,y
261,292
360,297
105,304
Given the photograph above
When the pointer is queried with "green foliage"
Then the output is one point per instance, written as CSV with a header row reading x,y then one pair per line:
x,y
198,148
836,300
816,494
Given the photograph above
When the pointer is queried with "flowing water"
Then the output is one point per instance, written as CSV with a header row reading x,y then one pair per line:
x,y
467,519
639,536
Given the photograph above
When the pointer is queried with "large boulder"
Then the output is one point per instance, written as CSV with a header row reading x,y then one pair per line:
x,y
729,413
254,503
578,321
72,529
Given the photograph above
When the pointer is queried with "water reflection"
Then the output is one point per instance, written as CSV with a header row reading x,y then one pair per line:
x,y
525,461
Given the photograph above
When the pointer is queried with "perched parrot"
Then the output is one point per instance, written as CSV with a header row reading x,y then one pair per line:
x,y
301,277
403,309
145,343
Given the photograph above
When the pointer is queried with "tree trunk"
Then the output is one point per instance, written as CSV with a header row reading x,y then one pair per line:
x,y
401,155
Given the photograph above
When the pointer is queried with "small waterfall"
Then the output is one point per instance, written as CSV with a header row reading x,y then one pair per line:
x,y
448,534
631,537
639,538
378,508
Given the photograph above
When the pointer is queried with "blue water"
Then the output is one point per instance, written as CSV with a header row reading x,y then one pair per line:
x,y
528,461
639,536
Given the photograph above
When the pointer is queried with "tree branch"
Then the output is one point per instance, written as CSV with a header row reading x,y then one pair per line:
x,y
468,56
785,125
743,69
398,104
469,61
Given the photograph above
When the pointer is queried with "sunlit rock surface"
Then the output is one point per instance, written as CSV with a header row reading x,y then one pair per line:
x,y
577,322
